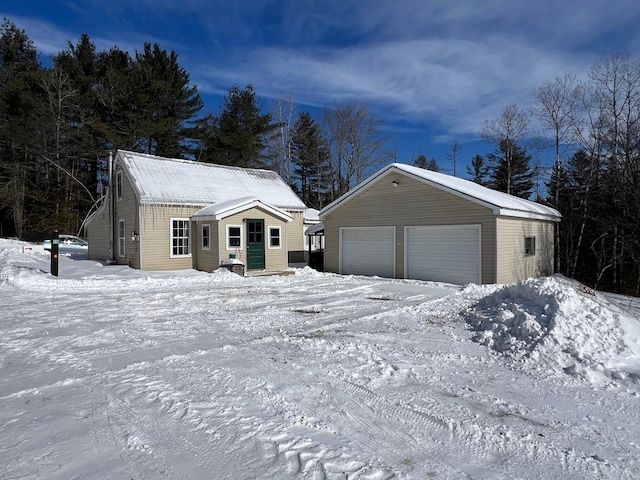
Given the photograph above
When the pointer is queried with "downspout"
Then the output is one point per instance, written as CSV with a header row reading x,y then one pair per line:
x,y
112,212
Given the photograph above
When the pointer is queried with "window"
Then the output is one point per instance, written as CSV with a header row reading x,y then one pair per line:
x,y
206,237
274,237
529,246
119,185
234,237
180,237
121,238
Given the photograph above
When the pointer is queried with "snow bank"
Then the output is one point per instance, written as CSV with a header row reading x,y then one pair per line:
x,y
32,272
559,325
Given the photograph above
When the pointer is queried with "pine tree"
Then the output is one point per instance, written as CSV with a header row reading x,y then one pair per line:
x,y
20,101
479,170
239,134
510,171
311,160
164,101
423,162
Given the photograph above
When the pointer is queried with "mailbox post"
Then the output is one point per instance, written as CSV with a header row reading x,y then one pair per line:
x,y
55,244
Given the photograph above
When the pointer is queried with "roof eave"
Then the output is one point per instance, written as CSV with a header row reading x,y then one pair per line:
x,y
505,212
276,212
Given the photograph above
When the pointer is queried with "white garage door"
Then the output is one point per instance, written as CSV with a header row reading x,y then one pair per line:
x,y
368,251
443,254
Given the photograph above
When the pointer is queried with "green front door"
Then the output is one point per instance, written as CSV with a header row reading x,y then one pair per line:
x,y
255,244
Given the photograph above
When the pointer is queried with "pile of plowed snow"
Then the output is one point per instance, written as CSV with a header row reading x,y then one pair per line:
x,y
559,325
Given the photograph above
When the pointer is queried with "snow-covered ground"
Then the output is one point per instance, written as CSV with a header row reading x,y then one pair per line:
x,y
112,373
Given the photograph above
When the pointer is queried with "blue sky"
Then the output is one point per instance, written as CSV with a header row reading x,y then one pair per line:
x,y
434,70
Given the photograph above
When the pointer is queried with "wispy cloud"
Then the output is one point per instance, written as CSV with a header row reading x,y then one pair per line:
x,y
452,82
450,65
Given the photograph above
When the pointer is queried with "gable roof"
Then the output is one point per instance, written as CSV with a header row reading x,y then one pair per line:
x,y
171,181
501,203
219,211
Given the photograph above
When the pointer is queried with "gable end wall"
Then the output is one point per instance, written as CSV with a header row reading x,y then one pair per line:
x,y
411,203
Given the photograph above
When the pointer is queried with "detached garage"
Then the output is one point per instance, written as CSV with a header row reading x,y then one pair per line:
x,y
407,222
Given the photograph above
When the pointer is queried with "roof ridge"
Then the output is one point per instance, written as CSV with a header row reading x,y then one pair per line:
x,y
194,162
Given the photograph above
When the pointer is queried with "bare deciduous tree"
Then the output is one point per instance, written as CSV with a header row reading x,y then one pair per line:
x,y
453,154
356,144
507,131
279,145
555,108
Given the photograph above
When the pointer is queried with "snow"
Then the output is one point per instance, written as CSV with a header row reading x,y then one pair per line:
x,y
472,189
502,203
221,210
312,215
110,373
159,180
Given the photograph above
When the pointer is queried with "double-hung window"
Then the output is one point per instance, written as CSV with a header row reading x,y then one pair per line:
x,y
206,236
275,237
180,238
234,237
119,186
121,238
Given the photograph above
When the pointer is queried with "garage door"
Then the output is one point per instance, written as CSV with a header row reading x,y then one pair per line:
x,y
368,251
443,254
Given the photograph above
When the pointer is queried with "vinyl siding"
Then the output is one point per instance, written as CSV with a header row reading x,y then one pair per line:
x,y
126,209
155,238
411,203
98,235
513,265
205,260
295,237
275,259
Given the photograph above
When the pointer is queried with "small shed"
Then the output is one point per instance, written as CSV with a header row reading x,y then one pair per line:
x,y
246,229
408,222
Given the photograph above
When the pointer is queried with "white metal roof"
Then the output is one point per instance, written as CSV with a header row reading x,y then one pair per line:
x,y
501,203
311,215
316,229
171,181
221,210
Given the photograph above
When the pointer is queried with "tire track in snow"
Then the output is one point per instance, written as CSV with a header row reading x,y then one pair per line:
x,y
154,421
200,420
519,456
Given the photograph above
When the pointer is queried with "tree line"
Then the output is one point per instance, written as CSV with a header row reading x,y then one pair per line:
x,y
58,123
592,126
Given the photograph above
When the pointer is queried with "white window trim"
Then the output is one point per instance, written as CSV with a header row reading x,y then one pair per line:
x,y
184,255
279,228
206,226
122,239
234,248
119,185
533,242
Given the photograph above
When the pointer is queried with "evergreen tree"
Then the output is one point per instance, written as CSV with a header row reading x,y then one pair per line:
x,y
510,170
423,162
311,160
239,134
115,101
72,145
479,170
559,195
20,102
164,102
